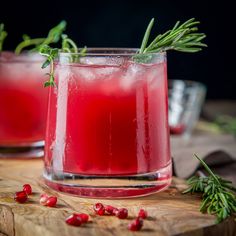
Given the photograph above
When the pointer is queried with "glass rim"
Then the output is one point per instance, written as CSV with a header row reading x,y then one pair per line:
x,y
113,51
24,57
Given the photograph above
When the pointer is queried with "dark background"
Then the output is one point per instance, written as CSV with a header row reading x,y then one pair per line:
x,y
122,24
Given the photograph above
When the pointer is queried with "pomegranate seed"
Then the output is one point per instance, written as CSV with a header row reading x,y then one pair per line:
x,y
43,195
21,197
51,201
74,220
46,200
136,225
84,217
142,214
99,209
27,188
43,199
111,210
115,211
122,213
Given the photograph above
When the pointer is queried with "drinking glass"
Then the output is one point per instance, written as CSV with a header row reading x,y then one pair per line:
x,y
185,103
23,105
107,129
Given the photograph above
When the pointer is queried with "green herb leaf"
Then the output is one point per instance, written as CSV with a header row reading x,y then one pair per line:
x,y
3,35
217,197
47,84
45,64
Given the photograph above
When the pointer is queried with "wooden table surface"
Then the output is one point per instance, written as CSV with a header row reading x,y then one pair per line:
x,y
171,213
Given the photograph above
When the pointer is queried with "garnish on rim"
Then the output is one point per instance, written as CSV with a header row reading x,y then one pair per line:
x,y
50,54
3,35
182,37
218,197
67,45
54,35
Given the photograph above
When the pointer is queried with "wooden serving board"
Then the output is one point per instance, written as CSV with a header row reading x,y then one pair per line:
x,y
171,213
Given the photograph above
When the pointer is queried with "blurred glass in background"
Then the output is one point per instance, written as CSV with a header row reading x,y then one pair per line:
x,y
185,103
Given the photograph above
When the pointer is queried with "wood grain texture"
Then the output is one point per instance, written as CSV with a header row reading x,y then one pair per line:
x,y
171,213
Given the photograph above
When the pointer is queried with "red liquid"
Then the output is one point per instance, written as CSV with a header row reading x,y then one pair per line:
x,y
23,101
177,129
108,120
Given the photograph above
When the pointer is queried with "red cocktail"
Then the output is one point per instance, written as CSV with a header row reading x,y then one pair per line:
x,y
23,100
107,126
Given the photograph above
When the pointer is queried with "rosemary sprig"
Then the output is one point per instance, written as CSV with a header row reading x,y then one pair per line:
x,y
54,36
3,35
182,37
218,197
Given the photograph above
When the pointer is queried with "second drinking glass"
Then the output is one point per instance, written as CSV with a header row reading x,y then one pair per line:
x,y
23,105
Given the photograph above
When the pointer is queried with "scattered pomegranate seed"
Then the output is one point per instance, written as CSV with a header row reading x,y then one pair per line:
x,y
122,213
74,220
142,214
43,199
84,217
21,197
115,211
27,188
136,225
43,195
46,200
51,201
111,210
99,209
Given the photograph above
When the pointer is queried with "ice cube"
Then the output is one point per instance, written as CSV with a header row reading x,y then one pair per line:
x,y
90,60
156,75
102,60
131,74
90,73
23,57
83,72
105,72
23,66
